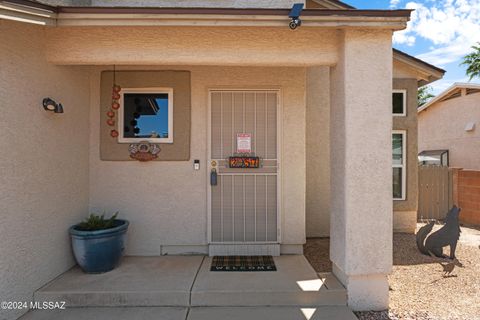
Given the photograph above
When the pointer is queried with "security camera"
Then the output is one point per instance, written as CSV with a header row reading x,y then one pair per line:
x,y
295,23
294,14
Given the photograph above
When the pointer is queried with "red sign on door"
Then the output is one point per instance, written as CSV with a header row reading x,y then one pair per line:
x,y
244,143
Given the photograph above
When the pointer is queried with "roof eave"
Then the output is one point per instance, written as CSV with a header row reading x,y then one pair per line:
x,y
430,72
131,16
446,92
209,18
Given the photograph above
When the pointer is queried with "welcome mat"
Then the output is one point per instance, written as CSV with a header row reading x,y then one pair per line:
x,y
243,263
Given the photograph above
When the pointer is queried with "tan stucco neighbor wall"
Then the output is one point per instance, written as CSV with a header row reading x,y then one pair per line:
x,y
44,163
442,126
166,202
405,211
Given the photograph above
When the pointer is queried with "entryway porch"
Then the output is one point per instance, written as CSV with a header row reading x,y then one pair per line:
x,y
183,287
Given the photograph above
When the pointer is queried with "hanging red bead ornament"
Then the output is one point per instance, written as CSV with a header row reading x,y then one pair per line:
x,y
115,95
114,106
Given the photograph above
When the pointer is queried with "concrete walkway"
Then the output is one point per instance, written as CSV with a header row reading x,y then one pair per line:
x,y
166,313
183,287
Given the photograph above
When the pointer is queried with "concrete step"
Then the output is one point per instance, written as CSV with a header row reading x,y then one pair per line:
x,y
184,281
209,313
277,313
295,283
117,313
138,281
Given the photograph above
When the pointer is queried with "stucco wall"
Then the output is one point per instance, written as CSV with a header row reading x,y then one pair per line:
x,y
192,46
318,152
166,202
405,211
361,161
442,126
44,163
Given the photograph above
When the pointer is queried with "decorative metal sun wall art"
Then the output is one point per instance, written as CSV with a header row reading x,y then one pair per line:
x,y
144,151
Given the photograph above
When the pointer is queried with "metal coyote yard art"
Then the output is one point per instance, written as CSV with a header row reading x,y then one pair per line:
x,y
448,235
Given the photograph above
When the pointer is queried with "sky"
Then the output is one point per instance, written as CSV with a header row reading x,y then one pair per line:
x,y
440,32
157,123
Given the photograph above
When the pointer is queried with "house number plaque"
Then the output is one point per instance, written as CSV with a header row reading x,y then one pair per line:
x,y
244,162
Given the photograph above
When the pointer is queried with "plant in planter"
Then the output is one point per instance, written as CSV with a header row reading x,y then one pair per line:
x,y
98,243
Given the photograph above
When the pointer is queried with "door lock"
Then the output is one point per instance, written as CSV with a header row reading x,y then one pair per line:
x,y
213,177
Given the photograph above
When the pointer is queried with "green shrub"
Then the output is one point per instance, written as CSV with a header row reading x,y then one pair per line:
x,y
95,222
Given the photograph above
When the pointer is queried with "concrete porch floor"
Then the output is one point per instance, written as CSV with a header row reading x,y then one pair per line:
x,y
183,287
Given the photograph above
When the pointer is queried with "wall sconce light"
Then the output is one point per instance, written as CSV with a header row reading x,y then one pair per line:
x,y
50,105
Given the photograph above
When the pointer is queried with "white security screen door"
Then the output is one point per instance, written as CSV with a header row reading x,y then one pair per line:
x,y
243,204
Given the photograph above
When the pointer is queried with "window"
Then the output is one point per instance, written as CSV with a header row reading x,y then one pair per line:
x,y
399,102
146,115
399,141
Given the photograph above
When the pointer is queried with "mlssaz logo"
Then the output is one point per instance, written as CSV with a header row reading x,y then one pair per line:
x,y
47,305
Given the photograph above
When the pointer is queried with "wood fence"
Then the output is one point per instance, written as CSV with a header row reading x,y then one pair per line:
x,y
467,195
435,192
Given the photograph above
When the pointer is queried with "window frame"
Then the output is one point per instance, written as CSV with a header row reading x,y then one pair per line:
x,y
154,90
404,104
403,165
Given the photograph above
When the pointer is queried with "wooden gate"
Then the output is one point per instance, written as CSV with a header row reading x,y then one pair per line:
x,y
435,192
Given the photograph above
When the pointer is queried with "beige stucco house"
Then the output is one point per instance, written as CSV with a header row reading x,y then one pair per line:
x,y
225,78
448,131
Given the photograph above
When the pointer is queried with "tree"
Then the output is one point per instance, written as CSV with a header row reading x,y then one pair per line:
x,y
472,61
424,94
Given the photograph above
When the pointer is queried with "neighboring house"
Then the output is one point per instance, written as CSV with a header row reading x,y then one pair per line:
x,y
314,104
448,132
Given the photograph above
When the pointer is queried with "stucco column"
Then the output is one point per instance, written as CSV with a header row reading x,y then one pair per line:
x,y
361,167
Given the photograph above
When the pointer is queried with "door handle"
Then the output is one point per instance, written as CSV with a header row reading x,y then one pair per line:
x,y
213,177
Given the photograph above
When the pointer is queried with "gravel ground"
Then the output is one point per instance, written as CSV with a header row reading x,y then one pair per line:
x,y
418,287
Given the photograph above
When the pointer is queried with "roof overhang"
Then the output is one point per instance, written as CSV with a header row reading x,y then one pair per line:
x,y
34,12
427,72
452,91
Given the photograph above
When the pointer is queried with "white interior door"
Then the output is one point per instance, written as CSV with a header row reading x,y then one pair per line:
x,y
244,202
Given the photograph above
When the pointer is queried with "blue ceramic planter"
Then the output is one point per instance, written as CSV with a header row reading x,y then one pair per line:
x,y
99,251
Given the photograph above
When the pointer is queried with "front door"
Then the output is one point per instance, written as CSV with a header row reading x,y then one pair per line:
x,y
244,201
